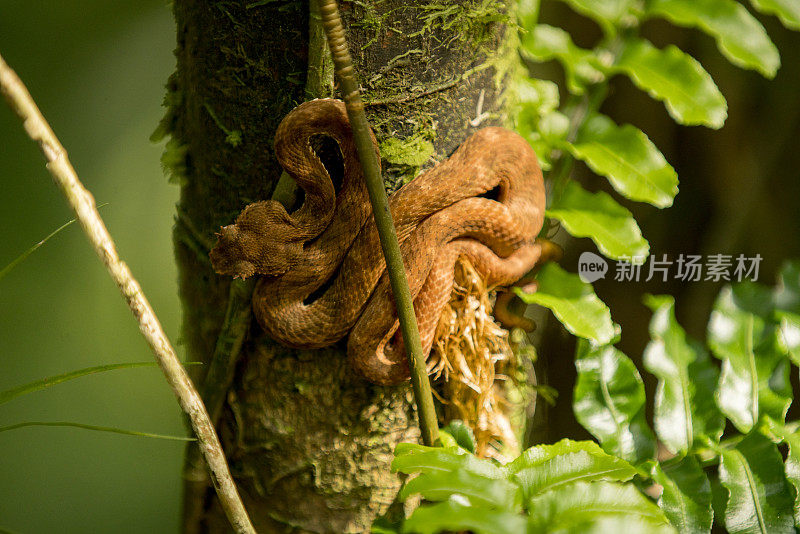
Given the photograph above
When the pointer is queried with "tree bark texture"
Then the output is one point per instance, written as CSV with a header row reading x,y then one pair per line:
x,y
308,441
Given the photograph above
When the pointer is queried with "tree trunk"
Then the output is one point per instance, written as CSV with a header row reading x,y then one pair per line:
x,y
310,443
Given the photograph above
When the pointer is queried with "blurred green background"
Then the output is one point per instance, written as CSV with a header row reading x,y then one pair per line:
x,y
97,69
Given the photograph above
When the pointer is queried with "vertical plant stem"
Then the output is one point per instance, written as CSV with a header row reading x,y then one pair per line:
x,y
370,164
82,203
578,109
216,383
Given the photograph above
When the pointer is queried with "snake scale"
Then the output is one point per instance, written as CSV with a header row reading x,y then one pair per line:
x,y
322,269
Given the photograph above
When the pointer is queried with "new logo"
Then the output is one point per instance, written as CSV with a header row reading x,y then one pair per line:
x,y
591,267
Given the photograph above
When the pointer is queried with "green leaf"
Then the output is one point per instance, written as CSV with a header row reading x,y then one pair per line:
x,y
462,434
686,498
536,102
787,293
455,516
568,467
609,402
527,125
31,250
719,498
754,377
605,522
607,13
790,335
677,79
596,507
629,160
740,37
383,525
37,385
539,454
760,499
598,216
546,43
554,128
446,441
412,458
786,298
404,448
478,490
779,432
788,11
684,402
96,428
540,95
528,13
573,302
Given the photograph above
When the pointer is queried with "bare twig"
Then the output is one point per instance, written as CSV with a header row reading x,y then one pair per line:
x,y
82,203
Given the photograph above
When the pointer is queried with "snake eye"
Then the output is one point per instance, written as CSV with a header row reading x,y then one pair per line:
x,y
227,234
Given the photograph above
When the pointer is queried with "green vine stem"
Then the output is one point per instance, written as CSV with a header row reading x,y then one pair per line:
x,y
577,109
370,164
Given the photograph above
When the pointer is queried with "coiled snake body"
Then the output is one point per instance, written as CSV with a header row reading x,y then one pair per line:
x,y
331,242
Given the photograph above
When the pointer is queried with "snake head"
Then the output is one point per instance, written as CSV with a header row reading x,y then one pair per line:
x,y
229,256
260,242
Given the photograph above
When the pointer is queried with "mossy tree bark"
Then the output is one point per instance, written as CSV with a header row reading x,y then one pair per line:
x,y
310,443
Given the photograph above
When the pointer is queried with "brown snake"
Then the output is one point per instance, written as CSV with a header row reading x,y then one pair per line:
x,y
331,240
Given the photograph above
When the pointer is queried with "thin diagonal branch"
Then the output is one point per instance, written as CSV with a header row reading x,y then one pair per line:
x,y
82,203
